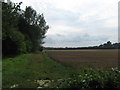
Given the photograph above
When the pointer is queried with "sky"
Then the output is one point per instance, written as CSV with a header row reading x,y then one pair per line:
x,y
77,23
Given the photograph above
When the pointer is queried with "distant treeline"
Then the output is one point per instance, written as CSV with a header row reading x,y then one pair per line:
x,y
22,30
107,45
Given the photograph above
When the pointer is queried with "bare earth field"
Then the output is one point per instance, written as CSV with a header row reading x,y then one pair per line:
x,y
102,59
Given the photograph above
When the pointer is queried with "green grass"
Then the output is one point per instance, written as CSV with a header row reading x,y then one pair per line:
x,y
25,71
30,67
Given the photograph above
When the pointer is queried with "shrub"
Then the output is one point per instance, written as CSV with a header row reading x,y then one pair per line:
x,y
89,79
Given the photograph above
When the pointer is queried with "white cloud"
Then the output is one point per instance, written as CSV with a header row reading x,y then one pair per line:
x,y
65,17
111,23
64,29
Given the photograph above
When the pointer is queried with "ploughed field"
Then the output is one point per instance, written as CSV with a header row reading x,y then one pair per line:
x,y
102,59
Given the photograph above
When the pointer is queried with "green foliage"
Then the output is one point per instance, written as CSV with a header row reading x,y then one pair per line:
x,y
109,45
35,26
18,38
91,79
14,43
28,45
23,31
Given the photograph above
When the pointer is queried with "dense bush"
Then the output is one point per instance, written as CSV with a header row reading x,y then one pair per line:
x,y
89,79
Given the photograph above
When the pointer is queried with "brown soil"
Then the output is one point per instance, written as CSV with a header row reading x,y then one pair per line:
x,y
91,58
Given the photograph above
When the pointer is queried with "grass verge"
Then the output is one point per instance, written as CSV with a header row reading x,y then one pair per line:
x,y
23,70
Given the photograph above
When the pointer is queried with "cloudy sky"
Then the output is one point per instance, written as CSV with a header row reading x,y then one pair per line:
x,y
77,22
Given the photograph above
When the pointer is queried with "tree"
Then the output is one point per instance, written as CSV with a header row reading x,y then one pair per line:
x,y
12,38
34,27
23,31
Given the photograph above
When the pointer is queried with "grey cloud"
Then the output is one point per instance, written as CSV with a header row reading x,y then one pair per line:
x,y
77,39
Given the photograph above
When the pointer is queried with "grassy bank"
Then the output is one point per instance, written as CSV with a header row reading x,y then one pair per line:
x,y
24,69
38,70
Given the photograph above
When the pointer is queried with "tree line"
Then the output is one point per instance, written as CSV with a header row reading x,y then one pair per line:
x,y
22,30
107,45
